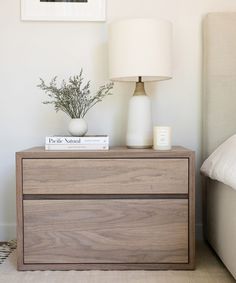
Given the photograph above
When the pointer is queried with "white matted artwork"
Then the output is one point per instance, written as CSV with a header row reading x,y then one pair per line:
x,y
63,10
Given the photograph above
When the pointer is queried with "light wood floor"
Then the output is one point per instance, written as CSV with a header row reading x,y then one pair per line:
x,y
209,269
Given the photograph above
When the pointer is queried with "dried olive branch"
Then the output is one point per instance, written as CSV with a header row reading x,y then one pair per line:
x,y
73,97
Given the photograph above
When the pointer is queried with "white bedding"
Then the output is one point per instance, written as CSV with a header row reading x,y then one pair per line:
x,y
221,164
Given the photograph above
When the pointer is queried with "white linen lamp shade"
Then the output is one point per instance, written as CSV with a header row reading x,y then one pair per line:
x,y
140,50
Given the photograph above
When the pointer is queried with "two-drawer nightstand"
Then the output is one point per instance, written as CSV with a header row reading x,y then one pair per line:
x,y
116,209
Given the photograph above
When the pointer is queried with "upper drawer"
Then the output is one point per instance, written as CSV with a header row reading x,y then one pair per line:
x,y
105,176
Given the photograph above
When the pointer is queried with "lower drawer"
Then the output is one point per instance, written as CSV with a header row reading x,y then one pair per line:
x,y
106,231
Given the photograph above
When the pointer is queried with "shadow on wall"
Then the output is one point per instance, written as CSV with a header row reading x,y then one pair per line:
x,y
110,115
8,209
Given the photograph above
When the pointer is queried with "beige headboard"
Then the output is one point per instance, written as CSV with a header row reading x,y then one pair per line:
x,y
219,81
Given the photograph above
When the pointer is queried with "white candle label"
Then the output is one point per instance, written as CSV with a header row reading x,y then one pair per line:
x,y
162,138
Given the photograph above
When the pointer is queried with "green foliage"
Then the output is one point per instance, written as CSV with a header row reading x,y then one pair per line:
x,y
73,97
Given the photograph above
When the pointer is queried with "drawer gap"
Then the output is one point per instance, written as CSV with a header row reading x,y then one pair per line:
x,y
104,196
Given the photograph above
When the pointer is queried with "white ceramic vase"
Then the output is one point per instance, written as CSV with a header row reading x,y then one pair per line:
x,y
78,127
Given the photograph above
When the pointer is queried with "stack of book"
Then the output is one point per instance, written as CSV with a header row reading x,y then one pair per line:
x,y
77,143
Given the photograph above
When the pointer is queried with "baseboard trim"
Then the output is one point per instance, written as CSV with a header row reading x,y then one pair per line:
x,y
7,232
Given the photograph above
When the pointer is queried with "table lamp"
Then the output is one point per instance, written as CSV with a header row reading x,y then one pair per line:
x,y
139,51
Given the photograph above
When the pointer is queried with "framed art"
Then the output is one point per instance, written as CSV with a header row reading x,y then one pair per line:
x,y
63,10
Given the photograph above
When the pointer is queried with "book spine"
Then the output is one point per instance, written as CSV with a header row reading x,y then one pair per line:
x,y
76,147
76,140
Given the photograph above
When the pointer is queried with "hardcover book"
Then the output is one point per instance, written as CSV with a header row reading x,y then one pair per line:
x,y
70,140
76,147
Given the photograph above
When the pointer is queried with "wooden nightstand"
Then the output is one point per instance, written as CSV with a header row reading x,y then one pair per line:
x,y
116,209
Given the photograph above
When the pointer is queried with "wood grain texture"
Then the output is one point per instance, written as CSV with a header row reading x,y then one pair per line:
x,y
102,176
106,231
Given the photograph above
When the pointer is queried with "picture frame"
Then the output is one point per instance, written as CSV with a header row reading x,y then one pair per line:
x,y
63,10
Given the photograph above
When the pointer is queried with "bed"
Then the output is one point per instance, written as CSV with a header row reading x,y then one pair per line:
x,y
219,123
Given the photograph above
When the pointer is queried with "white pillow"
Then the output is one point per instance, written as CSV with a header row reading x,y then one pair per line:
x,y
221,164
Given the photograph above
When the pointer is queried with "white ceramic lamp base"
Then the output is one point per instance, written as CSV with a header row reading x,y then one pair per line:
x,y
139,130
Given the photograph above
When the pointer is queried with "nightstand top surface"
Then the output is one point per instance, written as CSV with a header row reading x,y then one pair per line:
x,y
113,152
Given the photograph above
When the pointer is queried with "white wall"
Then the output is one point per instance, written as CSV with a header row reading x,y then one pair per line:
x,y
29,50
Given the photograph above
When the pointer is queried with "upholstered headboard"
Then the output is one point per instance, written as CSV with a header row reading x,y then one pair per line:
x,y
219,81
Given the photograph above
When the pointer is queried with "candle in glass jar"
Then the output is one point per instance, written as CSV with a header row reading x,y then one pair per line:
x,y
162,138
